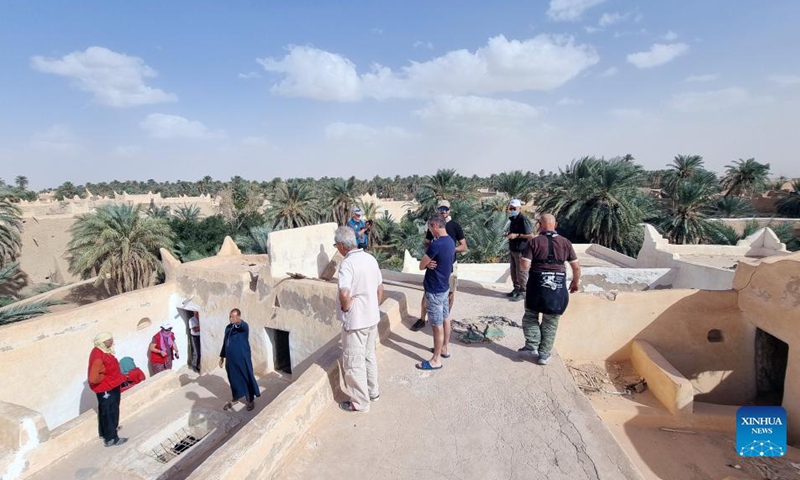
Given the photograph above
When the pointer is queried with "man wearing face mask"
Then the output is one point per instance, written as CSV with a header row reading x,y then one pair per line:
x,y
519,232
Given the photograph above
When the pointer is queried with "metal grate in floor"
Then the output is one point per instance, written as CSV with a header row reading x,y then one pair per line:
x,y
174,445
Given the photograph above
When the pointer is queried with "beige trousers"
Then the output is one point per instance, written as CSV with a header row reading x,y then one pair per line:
x,y
360,365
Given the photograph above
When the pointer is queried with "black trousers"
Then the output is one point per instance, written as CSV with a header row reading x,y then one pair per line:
x,y
195,352
108,413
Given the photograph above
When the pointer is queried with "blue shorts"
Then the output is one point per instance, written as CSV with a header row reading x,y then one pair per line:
x,y
438,307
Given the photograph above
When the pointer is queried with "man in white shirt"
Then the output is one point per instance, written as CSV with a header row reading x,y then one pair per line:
x,y
194,331
358,302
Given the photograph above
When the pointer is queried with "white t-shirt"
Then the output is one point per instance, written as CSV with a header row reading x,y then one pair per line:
x,y
359,272
194,322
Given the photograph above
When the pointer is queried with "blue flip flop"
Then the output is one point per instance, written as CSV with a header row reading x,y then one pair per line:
x,y
426,365
444,355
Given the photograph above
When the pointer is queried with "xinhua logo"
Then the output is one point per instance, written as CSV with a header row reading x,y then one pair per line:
x,y
761,431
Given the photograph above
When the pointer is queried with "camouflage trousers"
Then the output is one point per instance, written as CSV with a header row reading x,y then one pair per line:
x,y
539,336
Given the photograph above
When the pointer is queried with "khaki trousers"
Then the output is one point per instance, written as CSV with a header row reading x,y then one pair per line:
x,y
519,271
360,365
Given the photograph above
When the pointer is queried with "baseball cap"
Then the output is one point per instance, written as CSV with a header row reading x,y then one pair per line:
x,y
443,203
166,324
357,211
515,203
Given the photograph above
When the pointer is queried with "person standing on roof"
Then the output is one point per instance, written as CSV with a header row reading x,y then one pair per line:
x,y
360,228
456,233
519,232
546,292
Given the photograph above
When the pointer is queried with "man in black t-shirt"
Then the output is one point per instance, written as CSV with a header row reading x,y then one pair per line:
x,y
519,232
547,293
455,232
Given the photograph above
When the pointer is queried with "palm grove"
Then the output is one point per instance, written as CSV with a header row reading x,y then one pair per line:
x,y
601,201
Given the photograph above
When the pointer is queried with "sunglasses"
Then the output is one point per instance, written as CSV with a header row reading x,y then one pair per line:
x,y
443,209
512,209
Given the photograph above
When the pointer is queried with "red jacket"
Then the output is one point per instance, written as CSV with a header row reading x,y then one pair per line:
x,y
104,373
156,357
134,377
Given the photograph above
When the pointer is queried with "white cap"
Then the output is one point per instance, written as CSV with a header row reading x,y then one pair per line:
x,y
357,211
515,203
166,324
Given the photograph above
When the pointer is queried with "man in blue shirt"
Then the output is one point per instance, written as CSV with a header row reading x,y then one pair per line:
x,y
359,227
438,265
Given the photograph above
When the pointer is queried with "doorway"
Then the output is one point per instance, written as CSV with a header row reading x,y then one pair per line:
x,y
282,358
192,341
772,356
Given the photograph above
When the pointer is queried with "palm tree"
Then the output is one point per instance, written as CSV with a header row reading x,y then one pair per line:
x,y
119,245
292,206
22,182
10,231
341,198
445,184
746,177
66,190
9,312
597,201
682,168
255,241
789,202
486,245
733,207
158,212
188,213
516,184
685,220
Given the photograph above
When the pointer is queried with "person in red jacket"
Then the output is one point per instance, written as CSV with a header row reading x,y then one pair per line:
x,y
163,348
105,379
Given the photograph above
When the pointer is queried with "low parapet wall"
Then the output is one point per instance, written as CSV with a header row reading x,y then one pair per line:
x,y
671,388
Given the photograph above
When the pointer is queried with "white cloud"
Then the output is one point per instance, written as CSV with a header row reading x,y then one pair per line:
x,y
589,29
707,77
249,75
316,74
609,72
570,101
56,139
476,110
541,63
363,133
421,44
376,31
659,54
716,100
611,18
570,10
785,80
115,79
163,126
670,36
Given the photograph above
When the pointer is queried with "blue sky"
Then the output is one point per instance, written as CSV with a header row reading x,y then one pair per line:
x,y
95,91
